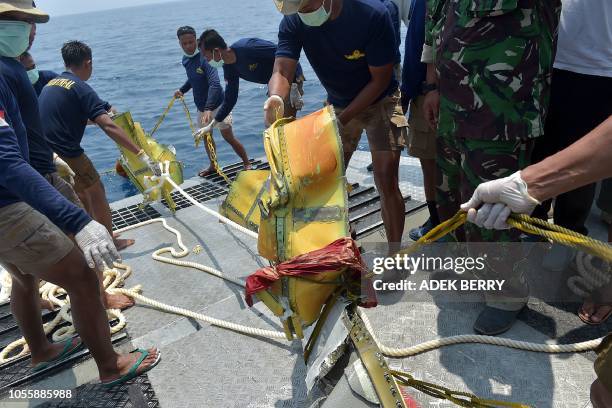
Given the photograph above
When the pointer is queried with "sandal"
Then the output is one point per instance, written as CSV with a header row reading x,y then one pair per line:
x,y
586,318
66,352
132,373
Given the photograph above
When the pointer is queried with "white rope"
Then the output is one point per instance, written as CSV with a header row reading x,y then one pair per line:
x,y
473,338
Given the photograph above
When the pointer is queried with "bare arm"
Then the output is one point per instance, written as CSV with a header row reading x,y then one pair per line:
x,y
377,85
282,77
584,162
116,133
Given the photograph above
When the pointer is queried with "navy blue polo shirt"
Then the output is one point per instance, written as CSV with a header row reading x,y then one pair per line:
x,y
254,63
204,80
43,78
19,181
41,155
341,50
66,103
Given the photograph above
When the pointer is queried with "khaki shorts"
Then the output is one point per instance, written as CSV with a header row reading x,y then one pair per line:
x,y
383,122
225,124
421,138
86,173
64,188
30,241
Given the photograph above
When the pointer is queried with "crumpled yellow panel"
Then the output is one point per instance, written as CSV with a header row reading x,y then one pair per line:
x,y
305,206
136,170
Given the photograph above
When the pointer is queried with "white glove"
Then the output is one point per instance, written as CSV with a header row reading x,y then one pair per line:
x,y
501,197
150,163
198,135
97,246
63,168
295,97
274,109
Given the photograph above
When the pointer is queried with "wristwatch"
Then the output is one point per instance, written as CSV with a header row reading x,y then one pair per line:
x,y
428,87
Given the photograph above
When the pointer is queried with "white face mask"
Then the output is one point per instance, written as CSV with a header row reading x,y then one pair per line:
x,y
216,64
196,52
14,37
33,75
318,17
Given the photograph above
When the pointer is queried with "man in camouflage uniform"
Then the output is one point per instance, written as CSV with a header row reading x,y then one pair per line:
x,y
491,62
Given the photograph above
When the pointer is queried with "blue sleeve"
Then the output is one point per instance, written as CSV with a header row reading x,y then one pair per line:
x,y
289,44
37,192
215,92
414,71
91,103
382,47
186,87
232,80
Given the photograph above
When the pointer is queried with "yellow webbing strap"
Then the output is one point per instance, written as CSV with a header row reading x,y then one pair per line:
x,y
526,224
162,117
463,399
211,147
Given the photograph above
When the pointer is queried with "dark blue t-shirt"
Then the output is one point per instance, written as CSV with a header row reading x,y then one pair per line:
x,y
341,50
43,78
254,63
41,155
395,19
19,181
414,71
204,80
66,103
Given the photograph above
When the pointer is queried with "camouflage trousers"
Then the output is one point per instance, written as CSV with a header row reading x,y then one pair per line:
x,y
463,164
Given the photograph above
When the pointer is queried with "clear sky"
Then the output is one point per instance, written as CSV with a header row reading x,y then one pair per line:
x,y
62,7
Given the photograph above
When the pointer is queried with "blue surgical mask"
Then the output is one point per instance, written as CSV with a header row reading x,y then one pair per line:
x,y
196,52
318,17
216,64
33,75
14,37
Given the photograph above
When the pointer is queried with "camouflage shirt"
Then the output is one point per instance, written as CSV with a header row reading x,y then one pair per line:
x,y
494,61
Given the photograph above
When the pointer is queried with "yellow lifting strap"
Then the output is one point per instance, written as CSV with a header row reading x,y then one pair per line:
x,y
526,224
462,399
209,139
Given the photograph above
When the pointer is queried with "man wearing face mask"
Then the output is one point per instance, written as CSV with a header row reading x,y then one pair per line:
x,y
251,59
352,48
207,96
33,216
38,77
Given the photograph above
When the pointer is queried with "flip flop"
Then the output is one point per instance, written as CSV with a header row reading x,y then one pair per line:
x,y
582,315
132,373
66,352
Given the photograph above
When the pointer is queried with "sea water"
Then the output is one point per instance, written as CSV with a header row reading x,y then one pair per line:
x,y
137,68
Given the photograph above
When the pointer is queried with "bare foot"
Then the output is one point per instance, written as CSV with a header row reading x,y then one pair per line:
x,y
247,166
121,244
117,301
206,172
126,361
53,351
46,304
